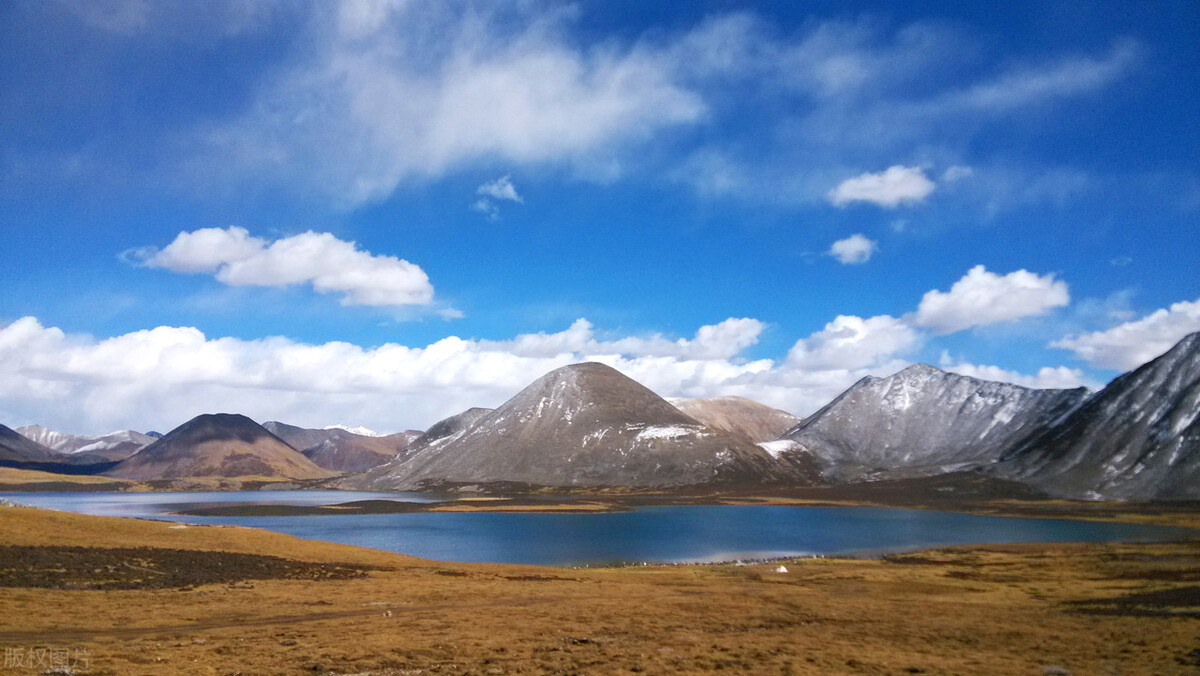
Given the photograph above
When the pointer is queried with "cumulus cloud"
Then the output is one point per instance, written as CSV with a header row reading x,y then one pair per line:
x,y
850,342
1134,343
981,298
329,264
889,189
853,250
1057,377
159,378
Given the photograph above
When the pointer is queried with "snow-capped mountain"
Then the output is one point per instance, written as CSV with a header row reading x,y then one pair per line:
x,y
923,421
122,443
339,448
738,415
1138,438
580,425
360,430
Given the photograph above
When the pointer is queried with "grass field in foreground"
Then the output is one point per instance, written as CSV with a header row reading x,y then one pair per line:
x,y
1013,609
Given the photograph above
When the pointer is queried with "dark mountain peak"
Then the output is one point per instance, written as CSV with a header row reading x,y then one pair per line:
x,y
218,444
218,426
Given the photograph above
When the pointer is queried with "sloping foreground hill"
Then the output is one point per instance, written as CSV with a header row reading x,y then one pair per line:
x,y
1137,439
218,445
923,421
737,415
15,447
338,449
584,425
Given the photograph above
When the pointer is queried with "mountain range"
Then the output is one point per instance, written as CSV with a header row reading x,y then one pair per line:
x,y
589,426
341,449
923,421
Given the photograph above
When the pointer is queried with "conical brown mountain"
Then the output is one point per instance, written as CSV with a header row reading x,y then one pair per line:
x,y
583,425
218,445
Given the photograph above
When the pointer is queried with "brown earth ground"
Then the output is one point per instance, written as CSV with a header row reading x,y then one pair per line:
x,y
269,603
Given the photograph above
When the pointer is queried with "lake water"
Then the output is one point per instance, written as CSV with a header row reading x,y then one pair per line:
x,y
649,534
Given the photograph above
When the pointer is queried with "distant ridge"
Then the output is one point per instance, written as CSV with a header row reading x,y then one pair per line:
x,y
218,445
737,415
83,449
340,449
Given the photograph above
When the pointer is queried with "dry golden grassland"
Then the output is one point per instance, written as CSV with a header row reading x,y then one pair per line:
x,y
1020,609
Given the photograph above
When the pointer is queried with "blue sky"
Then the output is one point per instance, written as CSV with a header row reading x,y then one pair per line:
x,y
383,213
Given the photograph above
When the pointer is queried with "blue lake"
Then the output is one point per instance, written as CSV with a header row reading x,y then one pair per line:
x,y
649,534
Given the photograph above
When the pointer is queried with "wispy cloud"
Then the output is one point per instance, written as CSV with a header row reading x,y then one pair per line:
x,y
375,103
499,190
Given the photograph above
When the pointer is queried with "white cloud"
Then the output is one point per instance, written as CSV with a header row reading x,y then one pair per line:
x,y
161,377
854,249
957,173
713,342
890,188
331,265
487,208
1134,343
850,342
981,298
501,189
1057,377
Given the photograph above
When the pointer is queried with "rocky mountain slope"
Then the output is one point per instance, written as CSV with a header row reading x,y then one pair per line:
x,y
16,447
218,445
338,449
922,421
737,415
1138,438
580,425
